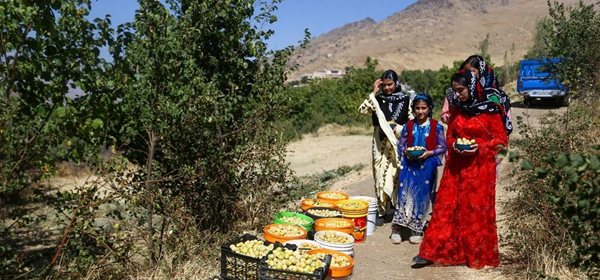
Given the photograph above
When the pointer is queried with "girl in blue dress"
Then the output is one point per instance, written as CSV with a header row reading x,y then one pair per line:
x,y
417,175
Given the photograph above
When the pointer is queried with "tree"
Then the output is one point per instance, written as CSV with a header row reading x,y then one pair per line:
x,y
572,34
47,48
190,100
200,93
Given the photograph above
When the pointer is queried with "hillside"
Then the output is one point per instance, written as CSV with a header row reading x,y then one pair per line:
x,y
429,34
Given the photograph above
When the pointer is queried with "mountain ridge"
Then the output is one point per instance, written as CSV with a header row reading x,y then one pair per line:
x,y
427,35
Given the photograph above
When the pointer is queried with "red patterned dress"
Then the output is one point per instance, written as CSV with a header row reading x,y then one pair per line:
x,y
462,229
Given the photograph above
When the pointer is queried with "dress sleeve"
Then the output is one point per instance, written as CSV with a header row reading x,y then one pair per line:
x,y
441,141
409,112
366,107
445,111
451,134
402,141
498,134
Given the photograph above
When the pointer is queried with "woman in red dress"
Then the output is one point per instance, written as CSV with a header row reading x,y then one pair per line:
x,y
462,230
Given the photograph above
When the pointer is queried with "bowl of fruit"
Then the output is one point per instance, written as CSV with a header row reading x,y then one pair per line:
x,y
334,240
304,244
323,212
463,144
335,224
293,218
341,264
415,151
331,196
353,206
282,233
308,203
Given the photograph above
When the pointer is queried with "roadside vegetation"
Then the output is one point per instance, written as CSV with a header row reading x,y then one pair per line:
x,y
554,222
176,131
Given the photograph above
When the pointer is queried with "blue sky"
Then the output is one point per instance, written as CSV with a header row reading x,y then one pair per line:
x,y
293,16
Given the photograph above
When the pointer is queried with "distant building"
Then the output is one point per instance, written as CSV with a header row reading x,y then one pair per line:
x,y
324,74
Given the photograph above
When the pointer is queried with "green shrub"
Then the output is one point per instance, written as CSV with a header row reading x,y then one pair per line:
x,y
555,212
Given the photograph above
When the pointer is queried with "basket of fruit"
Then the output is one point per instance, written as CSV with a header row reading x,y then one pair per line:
x,y
353,206
240,258
463,144
331,196
282,233
308,203
293,218
335,240
335,224
415,151
323,212
341,264
303,244
283,263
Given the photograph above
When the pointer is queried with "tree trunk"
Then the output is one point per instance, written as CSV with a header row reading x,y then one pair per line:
x,y
150,190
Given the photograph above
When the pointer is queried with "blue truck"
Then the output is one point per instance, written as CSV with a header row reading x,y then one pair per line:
x,y
535,82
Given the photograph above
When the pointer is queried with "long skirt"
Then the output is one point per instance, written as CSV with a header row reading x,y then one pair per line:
x,y
417,182
384,172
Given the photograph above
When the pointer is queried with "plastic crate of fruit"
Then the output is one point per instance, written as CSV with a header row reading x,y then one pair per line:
x,y
285,263
240,258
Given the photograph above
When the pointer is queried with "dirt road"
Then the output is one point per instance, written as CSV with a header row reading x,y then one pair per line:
x,y
378,258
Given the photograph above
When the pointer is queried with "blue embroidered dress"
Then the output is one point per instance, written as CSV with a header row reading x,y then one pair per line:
x,y
417,178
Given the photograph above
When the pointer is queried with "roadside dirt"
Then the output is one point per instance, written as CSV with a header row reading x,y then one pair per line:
x,y
377,257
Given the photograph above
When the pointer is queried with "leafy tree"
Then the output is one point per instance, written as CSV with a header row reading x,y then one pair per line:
x,y
572,34
47,48
421,81
199,93
189,100
324,101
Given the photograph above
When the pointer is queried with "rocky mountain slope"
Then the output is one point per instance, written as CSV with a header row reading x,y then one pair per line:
x,y
429,34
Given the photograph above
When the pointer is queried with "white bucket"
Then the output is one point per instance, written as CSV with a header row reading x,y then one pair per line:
x,y
372,214
371,218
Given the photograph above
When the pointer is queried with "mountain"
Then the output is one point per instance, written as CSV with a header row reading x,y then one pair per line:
x,y
427,35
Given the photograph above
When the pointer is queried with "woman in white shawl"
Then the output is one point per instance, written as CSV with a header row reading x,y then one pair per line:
x,y
389,108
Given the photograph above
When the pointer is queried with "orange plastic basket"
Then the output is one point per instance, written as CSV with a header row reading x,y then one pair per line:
x,y
321,224
336,272
308,203
281,239
332,196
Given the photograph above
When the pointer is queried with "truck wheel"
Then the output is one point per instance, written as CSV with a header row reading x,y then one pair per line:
x,y
527,102
564,101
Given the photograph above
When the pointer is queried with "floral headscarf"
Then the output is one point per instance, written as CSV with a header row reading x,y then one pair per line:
x,y
394,106
488,100
487,79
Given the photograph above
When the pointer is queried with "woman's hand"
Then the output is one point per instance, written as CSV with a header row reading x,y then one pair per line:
x,y
425,155
472,151
377,86
397,129
501,152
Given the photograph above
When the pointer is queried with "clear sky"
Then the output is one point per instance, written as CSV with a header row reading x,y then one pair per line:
x,y
293,16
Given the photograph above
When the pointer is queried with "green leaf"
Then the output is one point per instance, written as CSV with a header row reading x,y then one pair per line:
x,y
97,123
526,165
562,160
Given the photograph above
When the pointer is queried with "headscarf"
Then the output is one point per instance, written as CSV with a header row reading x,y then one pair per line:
x,y
395,105
425,97
488,100
487,79
392,75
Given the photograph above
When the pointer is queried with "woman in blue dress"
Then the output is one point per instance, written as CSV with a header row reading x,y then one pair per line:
x,y
417,175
